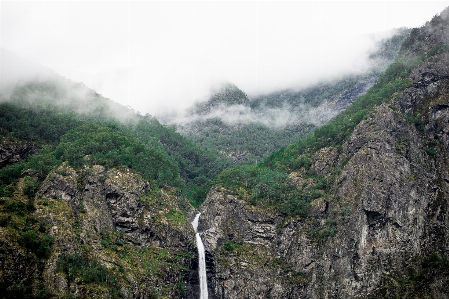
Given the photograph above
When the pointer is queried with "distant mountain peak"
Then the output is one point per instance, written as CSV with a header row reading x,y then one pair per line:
x,y
224,94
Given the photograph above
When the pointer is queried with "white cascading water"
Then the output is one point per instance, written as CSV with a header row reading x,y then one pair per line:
x,y
201,259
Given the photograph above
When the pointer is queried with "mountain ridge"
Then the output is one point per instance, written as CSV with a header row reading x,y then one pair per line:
x,y
92,207
373,220
231,122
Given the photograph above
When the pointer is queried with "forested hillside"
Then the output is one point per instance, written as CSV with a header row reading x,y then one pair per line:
x,y
300,156
63,148
69,122
248,130
357,209
334,191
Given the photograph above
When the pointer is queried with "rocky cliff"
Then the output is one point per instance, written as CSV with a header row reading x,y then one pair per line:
x,y
376,227
112,235
381,229
15,151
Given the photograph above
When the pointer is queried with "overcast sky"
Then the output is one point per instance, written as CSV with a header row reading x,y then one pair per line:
x,y
154,55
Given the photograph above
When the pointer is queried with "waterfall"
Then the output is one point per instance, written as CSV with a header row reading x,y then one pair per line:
x,y
201,259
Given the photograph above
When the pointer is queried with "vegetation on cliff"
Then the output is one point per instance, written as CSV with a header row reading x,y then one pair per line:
x,y
45,208
377,227
98,207
299,156
140,142
249,129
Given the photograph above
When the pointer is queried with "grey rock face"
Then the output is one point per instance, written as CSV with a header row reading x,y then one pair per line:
x,y
392,187
61,183
12,152
249,249
390,217
89,206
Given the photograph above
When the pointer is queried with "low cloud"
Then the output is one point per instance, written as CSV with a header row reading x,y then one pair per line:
x,y
158,56
32,85
275,118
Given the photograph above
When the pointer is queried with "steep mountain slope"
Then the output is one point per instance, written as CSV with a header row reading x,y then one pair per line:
x,y
94,233
94,206
93,203
42,106
356,210
249,129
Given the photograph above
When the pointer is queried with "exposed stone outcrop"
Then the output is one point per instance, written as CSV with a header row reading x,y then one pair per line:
x,y
112,212
249,247
378,229
392,213
389,210
12,152
61,183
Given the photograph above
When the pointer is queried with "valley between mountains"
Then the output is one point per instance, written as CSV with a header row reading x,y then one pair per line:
x,y
337,190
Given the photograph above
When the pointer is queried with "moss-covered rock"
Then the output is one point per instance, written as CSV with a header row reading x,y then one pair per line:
x,y
113,236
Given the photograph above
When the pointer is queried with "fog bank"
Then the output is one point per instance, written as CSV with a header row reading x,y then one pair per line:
x,y
156,56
